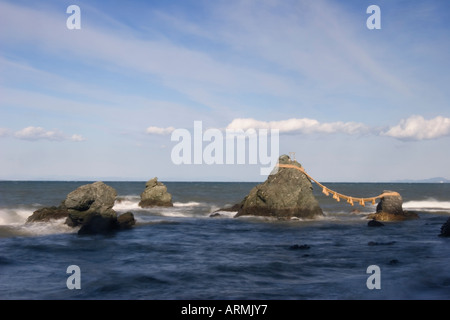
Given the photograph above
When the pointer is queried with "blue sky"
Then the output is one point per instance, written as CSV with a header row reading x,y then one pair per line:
x,y
99,103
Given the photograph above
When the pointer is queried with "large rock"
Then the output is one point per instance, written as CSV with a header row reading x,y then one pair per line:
x,y
390,208
285,194
90,207
445,229
155,195
90,200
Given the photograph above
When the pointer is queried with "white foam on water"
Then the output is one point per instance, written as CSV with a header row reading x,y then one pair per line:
x,y
187,204
431,205
127,203
56,226
10,216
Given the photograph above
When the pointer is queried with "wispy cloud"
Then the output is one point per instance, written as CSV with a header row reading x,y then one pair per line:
x,y
418,128
159,130
39,133
32,133
300,125
77,138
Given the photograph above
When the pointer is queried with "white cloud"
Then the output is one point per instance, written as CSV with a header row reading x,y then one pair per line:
x,y
302,125
159,130
38,133
418,128
77,138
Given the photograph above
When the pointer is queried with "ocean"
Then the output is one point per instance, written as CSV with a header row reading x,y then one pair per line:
x,y
182,253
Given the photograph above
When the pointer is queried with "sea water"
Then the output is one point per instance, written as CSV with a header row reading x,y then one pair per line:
x,y
183,253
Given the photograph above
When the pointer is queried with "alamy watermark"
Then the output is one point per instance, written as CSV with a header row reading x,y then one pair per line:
x,y
74,280
230,146
374,280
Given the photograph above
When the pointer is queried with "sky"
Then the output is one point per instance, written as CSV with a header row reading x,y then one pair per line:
x,y
102,102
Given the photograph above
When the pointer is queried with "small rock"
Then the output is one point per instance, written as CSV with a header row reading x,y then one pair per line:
x,y
445,229
375,223
374,243
155,195
215,215
126,220
299,247
390,208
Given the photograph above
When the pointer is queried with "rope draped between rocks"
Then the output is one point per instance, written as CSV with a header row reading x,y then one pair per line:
x,y
338,196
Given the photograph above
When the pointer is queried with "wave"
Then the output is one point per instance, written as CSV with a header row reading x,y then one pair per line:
x,y
131,203
18,215
430,205
188,204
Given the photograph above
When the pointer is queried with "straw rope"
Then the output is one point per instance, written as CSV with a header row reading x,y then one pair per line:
x,y
338,196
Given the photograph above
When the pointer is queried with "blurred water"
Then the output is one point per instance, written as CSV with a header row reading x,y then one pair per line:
x,y
182,253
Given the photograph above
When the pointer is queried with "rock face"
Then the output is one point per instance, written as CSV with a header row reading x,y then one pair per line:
x,y
155,195
445,229
285,194
390,208
90,200
90,207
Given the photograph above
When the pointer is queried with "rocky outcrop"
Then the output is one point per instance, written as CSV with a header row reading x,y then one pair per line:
x,y
155,195
445,229
89,207
287,193
90,200
390,208
49,213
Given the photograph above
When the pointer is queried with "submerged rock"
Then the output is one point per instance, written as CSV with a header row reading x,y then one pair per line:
x,y
299,247
375,223
155,195
285,194
445,229
390,208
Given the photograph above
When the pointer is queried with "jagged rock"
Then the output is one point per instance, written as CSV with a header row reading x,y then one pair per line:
x,y
155,195
445,229
48,213
390,208
286,193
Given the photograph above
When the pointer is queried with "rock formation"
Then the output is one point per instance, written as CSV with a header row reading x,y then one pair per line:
x,y
90,200
445,229
390,208
155,195
286,193
89,206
